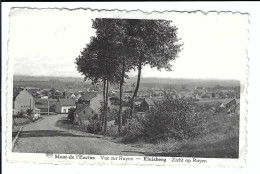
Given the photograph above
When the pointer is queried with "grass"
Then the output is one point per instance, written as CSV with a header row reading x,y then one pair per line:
x,y
21,121
220,140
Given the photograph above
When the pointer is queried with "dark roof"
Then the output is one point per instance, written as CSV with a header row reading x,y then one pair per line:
x,y
114,98
44,101
80,109
88,96
67,102
41,106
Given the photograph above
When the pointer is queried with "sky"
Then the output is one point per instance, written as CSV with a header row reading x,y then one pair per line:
x,y
47,42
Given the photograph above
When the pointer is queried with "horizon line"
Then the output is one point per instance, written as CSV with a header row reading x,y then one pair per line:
x,y
174,78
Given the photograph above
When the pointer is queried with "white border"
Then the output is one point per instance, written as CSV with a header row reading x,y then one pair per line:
x,y
162,6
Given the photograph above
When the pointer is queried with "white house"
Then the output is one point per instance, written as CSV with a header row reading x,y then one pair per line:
x,y
63,105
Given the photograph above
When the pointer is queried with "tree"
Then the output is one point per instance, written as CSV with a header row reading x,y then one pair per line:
x,y
71,114
169,119
63,94
121,45
114,31
29,113
52,90
98,63
156,43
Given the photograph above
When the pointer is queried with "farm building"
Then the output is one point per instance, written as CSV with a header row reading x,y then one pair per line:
x,y
63,105
45,105
147,105
75,95
23,101
83,114
85,99
206,95
231,103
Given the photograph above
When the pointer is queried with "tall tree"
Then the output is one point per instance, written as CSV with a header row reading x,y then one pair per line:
x,y
96,63
156,44
115,32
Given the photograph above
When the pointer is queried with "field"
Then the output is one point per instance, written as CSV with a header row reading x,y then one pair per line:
x,y
221,140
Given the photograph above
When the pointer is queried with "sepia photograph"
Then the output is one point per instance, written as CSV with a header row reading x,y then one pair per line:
x,y
129,86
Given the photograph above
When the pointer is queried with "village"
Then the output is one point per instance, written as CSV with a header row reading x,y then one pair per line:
x,y
32,102
114,109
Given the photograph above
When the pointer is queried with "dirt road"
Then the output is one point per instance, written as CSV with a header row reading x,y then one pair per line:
x,y
44,136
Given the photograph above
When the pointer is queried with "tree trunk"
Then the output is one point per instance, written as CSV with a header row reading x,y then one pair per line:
x,y
136,88
104,91
104,101
106,107
121,96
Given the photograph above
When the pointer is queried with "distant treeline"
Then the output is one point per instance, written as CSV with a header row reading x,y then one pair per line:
x,y
62,83
58,84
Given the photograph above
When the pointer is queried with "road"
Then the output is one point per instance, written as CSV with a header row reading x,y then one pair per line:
x,y
44,136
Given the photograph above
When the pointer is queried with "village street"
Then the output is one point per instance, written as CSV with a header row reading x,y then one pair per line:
x,y
44,136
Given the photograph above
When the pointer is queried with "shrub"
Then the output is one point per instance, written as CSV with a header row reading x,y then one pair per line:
x,y
126,115
112,131
195,125
20,115
172,118
113,114
71,114
132,131
95,125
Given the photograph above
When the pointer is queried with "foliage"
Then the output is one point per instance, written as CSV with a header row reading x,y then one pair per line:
x,y
132,131
29,113
112,131
95,125
52,90
20,115
220,140
126,115
173,118
113,114
71,114
121,45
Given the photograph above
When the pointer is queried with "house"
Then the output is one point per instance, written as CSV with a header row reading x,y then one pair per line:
x,y
232,109
45,105
83,114
196,97
189,96
93,99
71,95
75,95
231,103
147,105
142,94
46,92
114,100
63,105
32,90
137,103
85,99
157,93
78,95
206,95
23,101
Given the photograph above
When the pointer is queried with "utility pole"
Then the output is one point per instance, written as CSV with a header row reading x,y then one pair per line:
x,y
48,107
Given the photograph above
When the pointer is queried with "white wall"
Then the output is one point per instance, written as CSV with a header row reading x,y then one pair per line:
x,y
66,108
